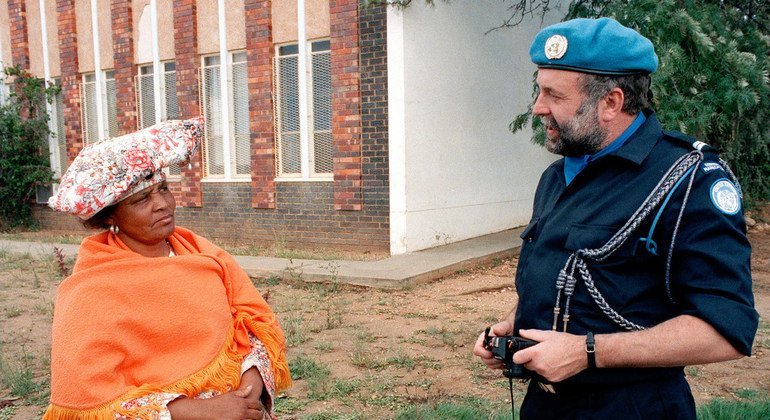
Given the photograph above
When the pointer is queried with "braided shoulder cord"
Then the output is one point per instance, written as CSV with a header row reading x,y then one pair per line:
x,y
566,280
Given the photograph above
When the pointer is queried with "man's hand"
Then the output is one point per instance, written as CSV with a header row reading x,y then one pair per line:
x,y
500,329
556,357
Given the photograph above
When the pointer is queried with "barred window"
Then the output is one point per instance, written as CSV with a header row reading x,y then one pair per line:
x,y
109,107
238,138
145,89
288,122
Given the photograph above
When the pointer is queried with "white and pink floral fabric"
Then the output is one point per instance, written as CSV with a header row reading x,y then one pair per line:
x,y
109,170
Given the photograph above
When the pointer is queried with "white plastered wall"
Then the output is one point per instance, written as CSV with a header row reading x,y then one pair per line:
x,y
456,171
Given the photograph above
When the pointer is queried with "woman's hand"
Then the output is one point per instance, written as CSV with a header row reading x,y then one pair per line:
x,y
240,404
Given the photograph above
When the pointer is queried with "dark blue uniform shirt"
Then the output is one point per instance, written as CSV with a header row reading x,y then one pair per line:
x,y
710,276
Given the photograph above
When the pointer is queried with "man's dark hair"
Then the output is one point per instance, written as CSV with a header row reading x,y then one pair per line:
x,y
99,220
636,90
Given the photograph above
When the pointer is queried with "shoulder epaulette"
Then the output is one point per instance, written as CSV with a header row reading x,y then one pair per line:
x,y
687,141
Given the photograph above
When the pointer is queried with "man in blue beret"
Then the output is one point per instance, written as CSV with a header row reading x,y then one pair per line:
x,y
635,262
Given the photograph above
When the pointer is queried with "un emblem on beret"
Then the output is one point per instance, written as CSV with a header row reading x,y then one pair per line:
x,y
725,197
555,47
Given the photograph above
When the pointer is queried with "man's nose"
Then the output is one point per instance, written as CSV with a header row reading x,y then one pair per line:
x,y
539,108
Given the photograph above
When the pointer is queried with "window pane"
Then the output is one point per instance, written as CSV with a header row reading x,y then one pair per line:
x,y
320,46
242,143
111,107
288,116
322,114
212,98
146,100
288,49
172,104
90,130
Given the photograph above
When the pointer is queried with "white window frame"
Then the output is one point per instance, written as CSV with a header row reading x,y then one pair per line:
x,y
229,142
306,115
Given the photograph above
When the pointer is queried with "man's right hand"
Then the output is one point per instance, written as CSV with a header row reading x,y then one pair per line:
x,y
500,329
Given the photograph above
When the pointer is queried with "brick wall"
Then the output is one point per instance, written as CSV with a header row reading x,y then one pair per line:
x,y
123,43
259,50
346,115
188,190
17,14
303,214
70,78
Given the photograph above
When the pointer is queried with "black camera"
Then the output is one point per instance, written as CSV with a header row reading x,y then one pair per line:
x,y
503,348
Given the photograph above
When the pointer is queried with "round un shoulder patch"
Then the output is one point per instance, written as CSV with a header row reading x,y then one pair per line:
x,y
725,197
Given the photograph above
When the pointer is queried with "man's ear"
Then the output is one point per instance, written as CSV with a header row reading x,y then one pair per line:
x,y
611,105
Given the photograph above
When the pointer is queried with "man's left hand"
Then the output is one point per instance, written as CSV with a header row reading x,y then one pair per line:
x,y
556,357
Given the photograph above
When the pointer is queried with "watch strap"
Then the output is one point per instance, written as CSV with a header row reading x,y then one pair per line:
x,y
591,350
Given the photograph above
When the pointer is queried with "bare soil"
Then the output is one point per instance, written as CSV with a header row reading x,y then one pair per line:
x,y
383,350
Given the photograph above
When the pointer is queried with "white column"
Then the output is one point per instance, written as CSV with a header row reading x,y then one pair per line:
x,y
53,142
98,76
225,98
157,72
396,132
302,94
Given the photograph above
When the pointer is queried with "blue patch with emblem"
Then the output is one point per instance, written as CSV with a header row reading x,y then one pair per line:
x,y
725,196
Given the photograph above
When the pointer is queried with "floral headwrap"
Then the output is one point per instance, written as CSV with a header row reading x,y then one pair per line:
x,y
110,170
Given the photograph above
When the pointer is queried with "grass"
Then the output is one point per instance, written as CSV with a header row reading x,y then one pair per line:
x,y
721,409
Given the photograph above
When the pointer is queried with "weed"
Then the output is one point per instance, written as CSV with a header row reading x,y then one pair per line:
x,y
273,280
292,329
420,315
402,361
303,367
287,405
423,384
442,334
365,337
7,412
750,394
343,388
333,315
12,311
294,271
61,263
324,346
692,371
362,357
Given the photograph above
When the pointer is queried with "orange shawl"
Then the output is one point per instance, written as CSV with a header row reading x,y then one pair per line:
x,y
127,325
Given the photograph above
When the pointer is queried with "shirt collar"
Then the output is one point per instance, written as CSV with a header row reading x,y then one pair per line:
x,y
573,165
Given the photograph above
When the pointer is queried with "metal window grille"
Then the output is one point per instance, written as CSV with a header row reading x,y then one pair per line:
x,y
212,103
110,102
287,125
322,151
145,85
241,150
238,127
88,108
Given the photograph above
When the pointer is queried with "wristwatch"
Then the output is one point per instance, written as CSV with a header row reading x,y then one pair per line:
x,y
591,350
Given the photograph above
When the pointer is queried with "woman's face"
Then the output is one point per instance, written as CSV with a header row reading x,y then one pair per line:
x,y
147,217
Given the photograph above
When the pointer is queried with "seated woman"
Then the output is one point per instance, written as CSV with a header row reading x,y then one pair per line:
x,y
155,321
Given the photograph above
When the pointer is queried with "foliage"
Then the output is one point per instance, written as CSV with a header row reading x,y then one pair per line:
x,y
714,79
23,147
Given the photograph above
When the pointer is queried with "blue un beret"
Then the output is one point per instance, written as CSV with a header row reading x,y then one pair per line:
x,y
597,46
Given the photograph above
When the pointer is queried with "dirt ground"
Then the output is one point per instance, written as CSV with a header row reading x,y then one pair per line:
x,y
363,353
